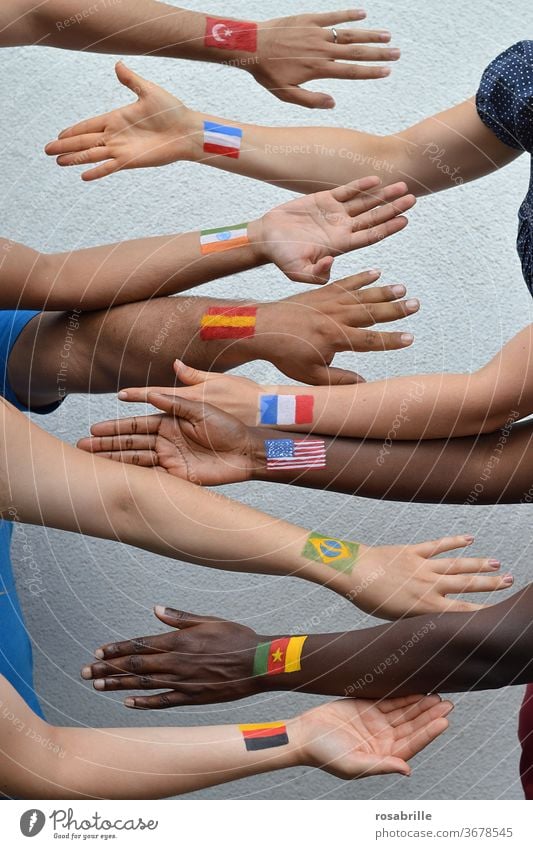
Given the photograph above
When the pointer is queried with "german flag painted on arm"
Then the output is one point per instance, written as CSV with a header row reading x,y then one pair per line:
x,y
265,735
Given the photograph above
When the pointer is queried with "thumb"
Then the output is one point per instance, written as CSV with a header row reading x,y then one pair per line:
x,y
303,97
190,376
321,270
384,766
177,406
331,376
130,79
180,618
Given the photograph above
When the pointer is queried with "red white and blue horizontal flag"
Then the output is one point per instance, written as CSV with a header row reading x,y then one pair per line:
x,y
295,453
222,139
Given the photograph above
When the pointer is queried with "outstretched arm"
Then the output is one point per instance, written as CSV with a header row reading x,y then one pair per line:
x,y
443,151
351,739
429,406
271,51
301,237
206,659
46,482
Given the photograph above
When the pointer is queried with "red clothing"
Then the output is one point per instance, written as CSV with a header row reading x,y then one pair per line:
x,y
525,735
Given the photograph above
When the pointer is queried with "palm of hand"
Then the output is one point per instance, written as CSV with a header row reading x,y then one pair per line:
x,y
146,133
305,231
202,450
350,734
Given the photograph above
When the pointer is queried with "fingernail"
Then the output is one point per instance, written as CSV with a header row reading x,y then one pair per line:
x,y
99,684
86,672
383,72
407,338
468,538
328,103
122,394
412,304
99,653
160,609
508,579
385,35
398,290
494,564
129,702
394,53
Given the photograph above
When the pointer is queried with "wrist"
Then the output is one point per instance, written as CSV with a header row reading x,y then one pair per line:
x,y
296,731
257,242
192,127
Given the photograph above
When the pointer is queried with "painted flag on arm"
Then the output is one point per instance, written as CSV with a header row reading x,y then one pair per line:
x,y
228,323
340,554
285,409
223,238
281,655
231,35
295,453
222,139
265,735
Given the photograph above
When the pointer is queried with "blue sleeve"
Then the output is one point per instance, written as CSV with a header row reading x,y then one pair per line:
x,y
505,96
12,323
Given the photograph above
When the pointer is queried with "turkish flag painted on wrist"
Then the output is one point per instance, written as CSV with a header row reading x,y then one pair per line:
x,y
231,35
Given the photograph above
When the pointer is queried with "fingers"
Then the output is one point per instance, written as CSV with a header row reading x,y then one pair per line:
x,y
375,765
320,271
87,126
137,84
154,644
381,214
346,16
370,237
121,442
61,146
146,663
438,546
133,682
360,53
359,36
177,406
363,341
354,283
191,376
350,190
407,712
457,585
159,702
369,314
135,425
181,619
413,743
369,200
85,157
465,565
102,171
344,71
304,97
391,704
331,376
146,459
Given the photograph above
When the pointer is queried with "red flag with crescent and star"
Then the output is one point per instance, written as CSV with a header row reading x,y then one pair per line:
x,y
231,35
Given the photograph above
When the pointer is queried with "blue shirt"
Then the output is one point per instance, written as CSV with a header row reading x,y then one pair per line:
x,y
505,104
16,662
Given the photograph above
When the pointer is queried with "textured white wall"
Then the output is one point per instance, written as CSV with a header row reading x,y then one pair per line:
x,y
457,255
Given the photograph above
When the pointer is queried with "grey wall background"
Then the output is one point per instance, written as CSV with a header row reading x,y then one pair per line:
x,y
457,255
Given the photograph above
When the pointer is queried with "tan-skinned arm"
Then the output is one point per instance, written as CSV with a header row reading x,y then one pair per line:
x,y
442,151
351,738
271,51
46,482
301,237
426,406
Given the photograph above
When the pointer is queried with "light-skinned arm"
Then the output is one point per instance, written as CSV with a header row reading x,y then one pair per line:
x,y
350,739
440,152
46,482
427,406
271,51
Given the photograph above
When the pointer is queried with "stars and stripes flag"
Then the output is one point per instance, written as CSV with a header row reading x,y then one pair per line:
x,y
295,453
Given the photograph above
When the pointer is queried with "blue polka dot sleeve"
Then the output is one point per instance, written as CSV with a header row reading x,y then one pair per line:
x,y
505,104
505,97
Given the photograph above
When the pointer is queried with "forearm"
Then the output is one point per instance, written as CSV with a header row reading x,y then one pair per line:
x,y
450,652
136,27
47,482
108,275
443,151
487,469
